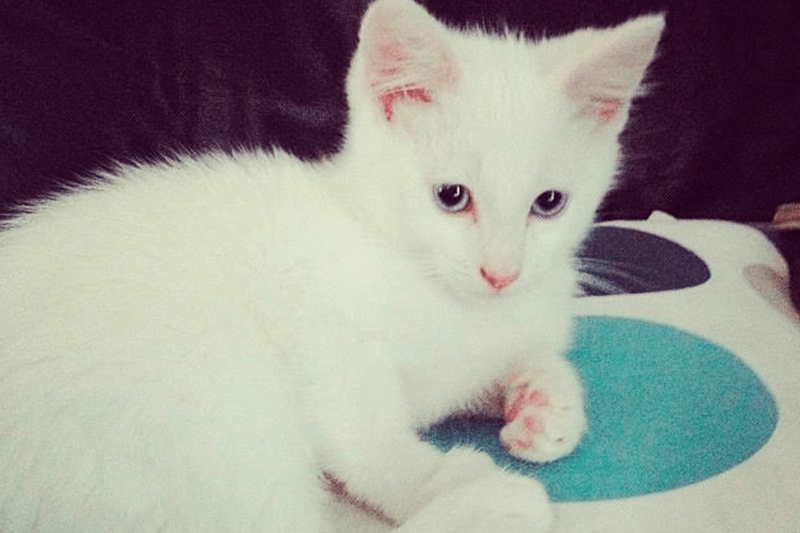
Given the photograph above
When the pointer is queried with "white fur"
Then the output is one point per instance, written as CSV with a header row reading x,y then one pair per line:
x,y
186,346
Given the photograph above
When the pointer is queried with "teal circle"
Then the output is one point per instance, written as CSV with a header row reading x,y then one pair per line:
x,y
666,409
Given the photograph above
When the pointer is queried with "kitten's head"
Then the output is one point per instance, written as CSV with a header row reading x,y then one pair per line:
x,y
487,156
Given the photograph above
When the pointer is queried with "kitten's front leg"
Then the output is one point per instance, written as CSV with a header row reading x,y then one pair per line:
x,y
369,443
497,502
464,492
543,411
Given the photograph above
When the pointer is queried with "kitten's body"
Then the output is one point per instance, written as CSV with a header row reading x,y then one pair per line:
x,y
187,346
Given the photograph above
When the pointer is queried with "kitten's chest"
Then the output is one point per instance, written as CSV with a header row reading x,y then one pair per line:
x,y
328,277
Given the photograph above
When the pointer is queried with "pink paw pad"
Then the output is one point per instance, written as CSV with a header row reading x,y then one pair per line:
x,y
533,425
522,443
544,417
521,398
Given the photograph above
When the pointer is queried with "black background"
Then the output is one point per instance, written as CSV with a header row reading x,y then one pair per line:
x,y
83,83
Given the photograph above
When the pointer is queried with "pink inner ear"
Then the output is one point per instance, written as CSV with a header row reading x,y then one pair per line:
x,y
388,98
607,109
388,60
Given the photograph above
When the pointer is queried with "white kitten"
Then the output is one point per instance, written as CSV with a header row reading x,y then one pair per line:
x,y
187,346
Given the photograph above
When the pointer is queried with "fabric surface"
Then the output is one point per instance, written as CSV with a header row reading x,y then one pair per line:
x,y
666,409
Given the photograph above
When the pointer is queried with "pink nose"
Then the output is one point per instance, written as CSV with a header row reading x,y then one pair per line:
x,y
498,281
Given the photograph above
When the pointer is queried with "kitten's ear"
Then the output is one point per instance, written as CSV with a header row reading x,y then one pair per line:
x,y
404,55
603,84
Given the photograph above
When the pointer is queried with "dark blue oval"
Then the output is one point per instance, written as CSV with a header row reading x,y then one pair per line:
x,y
626,261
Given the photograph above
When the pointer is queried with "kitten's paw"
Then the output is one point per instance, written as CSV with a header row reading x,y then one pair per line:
x,y
544,417
461,466
498,502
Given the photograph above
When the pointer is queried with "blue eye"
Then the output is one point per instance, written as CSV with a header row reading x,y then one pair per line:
x,y
452,197
549,204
